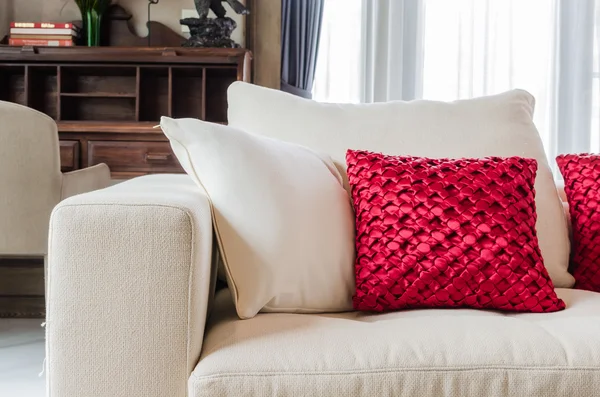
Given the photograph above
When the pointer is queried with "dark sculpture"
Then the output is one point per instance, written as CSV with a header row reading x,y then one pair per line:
x,y
213,32
203,6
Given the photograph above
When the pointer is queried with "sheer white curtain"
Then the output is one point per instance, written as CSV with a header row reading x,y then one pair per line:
x,y
337,77
391,50
369,51
446,50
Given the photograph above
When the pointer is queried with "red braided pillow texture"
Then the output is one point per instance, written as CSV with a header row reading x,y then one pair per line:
x,y
581,173
447,233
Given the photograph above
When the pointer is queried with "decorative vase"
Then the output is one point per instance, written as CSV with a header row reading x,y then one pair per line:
x,y
93,21
91,14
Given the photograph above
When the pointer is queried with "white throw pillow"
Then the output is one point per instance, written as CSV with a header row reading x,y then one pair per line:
x,y
499,125
283,220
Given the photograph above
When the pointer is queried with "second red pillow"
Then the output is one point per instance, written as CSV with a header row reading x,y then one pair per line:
x,y
582,187
447,233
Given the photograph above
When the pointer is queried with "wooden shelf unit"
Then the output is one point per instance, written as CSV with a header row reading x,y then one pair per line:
x,y
107,100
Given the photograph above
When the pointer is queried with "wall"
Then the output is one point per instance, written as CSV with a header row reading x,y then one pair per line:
x,y
6,12
264,40
166,11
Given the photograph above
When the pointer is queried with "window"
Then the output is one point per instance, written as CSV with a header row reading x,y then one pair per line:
x,y
474,48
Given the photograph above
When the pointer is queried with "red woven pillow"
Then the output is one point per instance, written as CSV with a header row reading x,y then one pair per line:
x,y
582,187
447,233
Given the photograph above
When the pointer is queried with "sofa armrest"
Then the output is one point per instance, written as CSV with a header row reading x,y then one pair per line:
x,y
85,180
129,282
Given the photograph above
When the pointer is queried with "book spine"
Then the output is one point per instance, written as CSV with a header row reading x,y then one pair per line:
x,y
44,43
43,25
41,37
43,32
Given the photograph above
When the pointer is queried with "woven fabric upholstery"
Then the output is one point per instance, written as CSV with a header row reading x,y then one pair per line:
x,y
447,233
409,353
130,274
581,173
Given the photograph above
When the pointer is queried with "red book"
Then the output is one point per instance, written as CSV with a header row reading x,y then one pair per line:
x,y
42,43
44,25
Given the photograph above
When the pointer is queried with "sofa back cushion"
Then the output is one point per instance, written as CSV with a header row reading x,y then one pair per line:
x,y
499,125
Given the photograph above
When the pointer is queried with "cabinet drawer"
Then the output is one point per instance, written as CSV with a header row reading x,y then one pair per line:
x,y
127,157
69,155
22,280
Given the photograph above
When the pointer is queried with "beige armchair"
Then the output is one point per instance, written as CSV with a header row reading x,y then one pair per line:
x,y
31,182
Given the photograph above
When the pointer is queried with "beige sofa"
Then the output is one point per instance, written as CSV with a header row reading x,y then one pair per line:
x,y
132,313
130,291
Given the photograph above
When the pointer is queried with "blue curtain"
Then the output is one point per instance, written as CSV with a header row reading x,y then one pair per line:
x,y
300,33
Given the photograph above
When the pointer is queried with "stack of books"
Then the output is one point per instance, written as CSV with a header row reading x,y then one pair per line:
x,y
43,34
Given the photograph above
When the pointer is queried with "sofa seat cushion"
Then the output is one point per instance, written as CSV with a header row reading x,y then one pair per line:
x,y
435,352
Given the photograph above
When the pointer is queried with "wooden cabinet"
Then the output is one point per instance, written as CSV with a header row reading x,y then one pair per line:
x,y
107,100
22,287
69,155
133,157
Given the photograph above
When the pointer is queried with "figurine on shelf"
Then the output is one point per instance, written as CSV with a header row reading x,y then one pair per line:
x,y
213,32
203,6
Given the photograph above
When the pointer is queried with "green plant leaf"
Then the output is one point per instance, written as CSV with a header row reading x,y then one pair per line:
x,y
100,6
